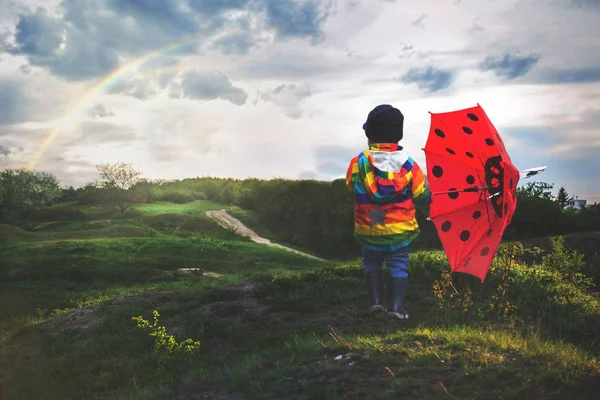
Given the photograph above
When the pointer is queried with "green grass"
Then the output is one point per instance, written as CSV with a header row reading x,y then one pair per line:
x,y
194,207
273,323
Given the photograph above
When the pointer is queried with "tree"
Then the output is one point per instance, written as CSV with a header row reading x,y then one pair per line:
x,y
119,184
22,191
537,213
563,197
540,190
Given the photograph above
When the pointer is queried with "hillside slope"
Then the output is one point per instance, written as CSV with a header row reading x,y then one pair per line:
x,y
229,222
272,324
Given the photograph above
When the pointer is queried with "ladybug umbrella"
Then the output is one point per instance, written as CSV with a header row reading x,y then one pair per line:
x,y
475,184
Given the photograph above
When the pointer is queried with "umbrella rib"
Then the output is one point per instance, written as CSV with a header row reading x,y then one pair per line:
x,y
486,201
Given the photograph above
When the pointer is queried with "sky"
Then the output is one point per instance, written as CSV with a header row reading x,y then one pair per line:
x,y
281,88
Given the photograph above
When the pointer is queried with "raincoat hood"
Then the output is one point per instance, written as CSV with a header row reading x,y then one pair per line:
x,y
391,170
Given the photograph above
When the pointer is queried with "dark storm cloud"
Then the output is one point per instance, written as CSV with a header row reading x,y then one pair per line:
x,y
87,37
509,65
430,78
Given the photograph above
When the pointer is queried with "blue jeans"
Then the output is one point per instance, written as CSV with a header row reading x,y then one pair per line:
x,y
396,261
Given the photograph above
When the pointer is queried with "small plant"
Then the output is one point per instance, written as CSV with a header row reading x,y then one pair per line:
x,y
449,297
168,351
500,301
163,342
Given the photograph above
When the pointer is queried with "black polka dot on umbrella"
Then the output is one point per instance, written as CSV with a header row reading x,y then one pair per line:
x,y
472,117
485,251
489,232
467,261
449,150
467,130
465,235
453,194
446,226
505,208
440,133
476,214
489,142
437,171
470,179
469,154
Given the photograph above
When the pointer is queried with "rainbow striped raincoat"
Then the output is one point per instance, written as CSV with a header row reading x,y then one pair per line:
x,y
387,185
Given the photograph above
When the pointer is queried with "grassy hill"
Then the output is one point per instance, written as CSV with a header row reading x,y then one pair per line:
x,y
272,324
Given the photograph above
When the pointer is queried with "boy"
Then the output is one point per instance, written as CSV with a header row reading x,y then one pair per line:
x,y
387,185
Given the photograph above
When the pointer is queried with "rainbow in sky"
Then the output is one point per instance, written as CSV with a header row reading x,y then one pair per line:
x,y
100,86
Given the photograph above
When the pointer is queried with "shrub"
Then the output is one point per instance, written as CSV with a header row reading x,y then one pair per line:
x,y
23,191
168,352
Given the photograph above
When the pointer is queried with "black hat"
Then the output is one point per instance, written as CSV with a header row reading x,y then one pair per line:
x,y
385,124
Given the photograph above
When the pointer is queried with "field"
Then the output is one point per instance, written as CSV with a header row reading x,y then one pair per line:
x,y
77,284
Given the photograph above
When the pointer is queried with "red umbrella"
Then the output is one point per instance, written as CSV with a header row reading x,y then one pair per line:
x,y
474,183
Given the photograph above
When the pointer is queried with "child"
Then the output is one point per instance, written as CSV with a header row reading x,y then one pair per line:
x,y
387,185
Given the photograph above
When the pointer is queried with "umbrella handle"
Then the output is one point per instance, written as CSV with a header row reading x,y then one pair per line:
x,y
471,189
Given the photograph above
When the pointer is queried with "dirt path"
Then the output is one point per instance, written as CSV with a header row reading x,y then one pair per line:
x,y
228,222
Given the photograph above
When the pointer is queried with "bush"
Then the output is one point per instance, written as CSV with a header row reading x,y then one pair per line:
x,y
58,214
568,263
199,195
23,191
551,296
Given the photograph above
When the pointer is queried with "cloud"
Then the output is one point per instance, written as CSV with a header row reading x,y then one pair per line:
x,y
509,65
236,43
4,151
215,7
297,18
567,143
317,68
33,98
308,175
99,111
333,160
431,79
566,134
93,133
418,23
210,86
39,34
166,151
49,41
139,87
11,99
585,4
13,103
406,51
560,76
477,26
25,68
87,39
336,153
289,97
284,68
298,62
332,169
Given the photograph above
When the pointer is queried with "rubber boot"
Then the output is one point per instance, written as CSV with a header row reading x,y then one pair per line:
x,y
374,281
397,288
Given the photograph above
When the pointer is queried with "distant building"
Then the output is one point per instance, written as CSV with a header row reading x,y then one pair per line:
x,y
577,203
